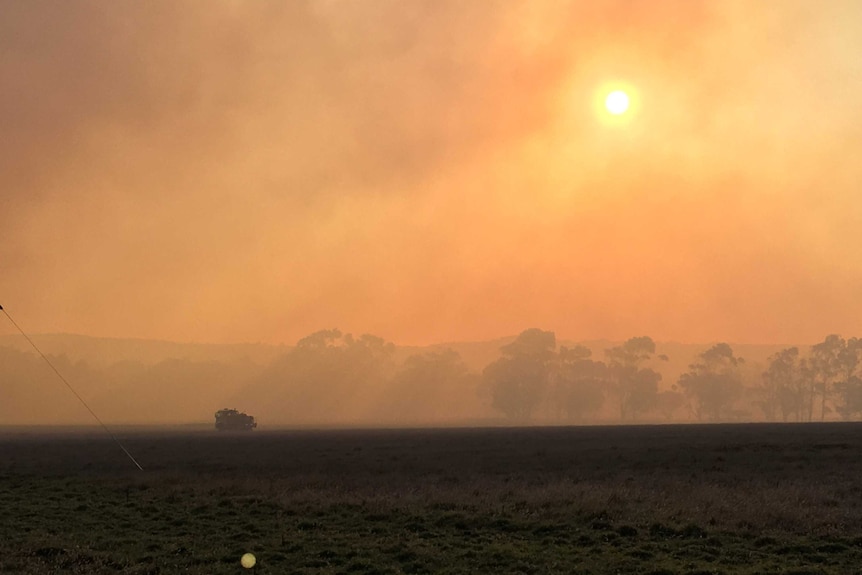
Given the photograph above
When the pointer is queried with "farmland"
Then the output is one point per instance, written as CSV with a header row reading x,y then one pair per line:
x,y
758,498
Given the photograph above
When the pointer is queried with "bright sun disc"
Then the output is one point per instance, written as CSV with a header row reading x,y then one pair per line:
x,y
617,102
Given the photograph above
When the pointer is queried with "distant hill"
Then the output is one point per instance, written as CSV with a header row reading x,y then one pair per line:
x,y
102,351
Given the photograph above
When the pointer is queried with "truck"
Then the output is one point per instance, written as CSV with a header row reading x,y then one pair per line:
x,y
233,420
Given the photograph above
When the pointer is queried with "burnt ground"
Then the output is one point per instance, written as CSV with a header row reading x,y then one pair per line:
x,y
758,498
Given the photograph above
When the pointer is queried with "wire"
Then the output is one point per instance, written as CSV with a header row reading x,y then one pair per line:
x,y
81,399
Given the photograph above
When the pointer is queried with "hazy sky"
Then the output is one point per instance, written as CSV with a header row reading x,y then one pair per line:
x,y
431,170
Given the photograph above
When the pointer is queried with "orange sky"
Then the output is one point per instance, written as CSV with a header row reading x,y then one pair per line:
x,y
431,170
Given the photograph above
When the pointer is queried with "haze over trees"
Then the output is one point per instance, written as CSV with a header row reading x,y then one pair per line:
x,y
798,388
783,389
428,384
326,377
519,379
713,384
579,384
635,383
331,377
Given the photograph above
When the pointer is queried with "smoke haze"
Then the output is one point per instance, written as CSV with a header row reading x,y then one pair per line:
x,y
431,171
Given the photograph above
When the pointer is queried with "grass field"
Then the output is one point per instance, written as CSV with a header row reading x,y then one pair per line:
x,y
663,499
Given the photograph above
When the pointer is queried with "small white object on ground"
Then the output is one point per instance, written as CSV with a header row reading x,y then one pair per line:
x,y
248,560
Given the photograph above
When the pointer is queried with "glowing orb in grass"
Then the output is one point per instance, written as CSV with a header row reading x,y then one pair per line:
x,y
248,560
617,102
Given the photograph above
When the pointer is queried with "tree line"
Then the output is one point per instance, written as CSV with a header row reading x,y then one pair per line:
x,y
799,387
335,377
533,376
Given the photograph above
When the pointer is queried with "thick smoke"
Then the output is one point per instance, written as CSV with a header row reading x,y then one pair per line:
x,y
430,170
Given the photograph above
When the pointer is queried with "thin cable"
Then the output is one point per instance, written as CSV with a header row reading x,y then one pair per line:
x,y
81,399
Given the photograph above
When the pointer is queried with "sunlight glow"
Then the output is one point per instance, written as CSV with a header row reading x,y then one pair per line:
x,y
617,102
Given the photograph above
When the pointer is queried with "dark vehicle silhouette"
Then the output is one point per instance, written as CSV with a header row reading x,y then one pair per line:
x,y
233,420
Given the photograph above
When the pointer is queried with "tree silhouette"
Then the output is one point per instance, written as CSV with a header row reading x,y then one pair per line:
x,y
850,391
429,386
783,388
579,383
636,386
849,384
850,358
713,384
326,377
824,368
669,402
518,379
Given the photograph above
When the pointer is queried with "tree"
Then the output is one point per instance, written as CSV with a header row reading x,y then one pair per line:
x,y
579,383
825,365
713,384
849,384
518,379
669,402
532,343
430,386
327,377
636,386
784,388
850,391
850,358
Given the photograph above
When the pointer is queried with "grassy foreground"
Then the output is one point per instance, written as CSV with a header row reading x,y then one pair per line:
x,y
665,499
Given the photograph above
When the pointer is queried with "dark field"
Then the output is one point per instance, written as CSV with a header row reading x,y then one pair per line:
x,y
664,499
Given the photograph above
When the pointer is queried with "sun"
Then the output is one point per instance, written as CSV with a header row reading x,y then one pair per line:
x,y
617,102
